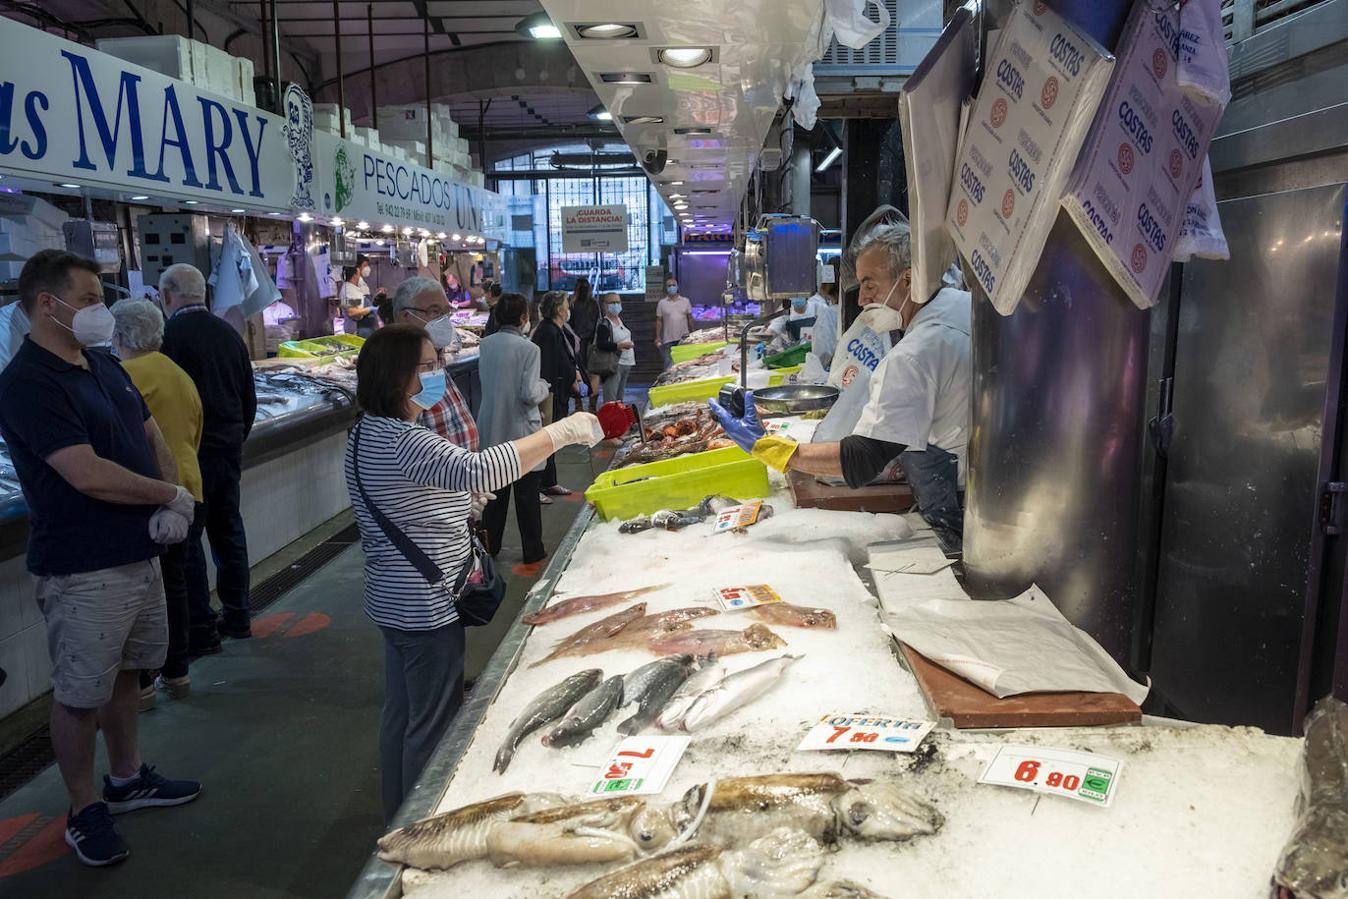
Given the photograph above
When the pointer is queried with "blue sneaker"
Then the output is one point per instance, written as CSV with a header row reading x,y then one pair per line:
x,y
94,839
147,790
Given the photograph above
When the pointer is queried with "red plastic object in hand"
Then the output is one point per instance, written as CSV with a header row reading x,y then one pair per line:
x,y
615,419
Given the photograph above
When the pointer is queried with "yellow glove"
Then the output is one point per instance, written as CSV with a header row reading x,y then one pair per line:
x,y
775,451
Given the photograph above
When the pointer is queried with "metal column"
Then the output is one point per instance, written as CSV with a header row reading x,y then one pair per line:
x,y
800,174
337,51
374,93
430,126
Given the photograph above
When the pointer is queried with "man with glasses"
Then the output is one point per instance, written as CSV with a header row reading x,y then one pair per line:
x,y
422,302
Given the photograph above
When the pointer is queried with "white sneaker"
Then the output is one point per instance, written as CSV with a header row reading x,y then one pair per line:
x,y
147,698
175,687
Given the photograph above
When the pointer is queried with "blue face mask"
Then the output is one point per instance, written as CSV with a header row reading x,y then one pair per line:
x,y
798,304
432,389
614,308
672,289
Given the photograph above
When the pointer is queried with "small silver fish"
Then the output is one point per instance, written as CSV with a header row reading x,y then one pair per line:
x,y
589,712
666,678
733,691
671,718
544,708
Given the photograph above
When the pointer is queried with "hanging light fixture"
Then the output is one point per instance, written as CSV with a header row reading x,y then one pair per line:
x,y
538,27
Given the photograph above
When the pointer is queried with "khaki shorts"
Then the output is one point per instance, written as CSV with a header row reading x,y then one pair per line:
x,y
99,623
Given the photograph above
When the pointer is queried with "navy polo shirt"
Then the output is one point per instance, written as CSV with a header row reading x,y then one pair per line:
x,y
47,404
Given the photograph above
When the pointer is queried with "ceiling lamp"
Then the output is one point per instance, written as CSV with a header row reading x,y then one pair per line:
x,y
387,229
607,31
625,77
831,158
336,222
600,114
674,183
643,120
684,57
457,237
140,197
238,211
363,225
539,27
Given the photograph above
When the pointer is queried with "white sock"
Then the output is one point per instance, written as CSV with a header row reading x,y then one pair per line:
x,y
123,781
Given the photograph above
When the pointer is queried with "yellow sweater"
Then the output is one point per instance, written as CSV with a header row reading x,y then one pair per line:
x,y
176,407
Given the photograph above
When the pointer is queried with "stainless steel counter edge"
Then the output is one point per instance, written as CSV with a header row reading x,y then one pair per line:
x,y
383,880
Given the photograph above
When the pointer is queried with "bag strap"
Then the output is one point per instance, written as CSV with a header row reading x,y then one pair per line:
x,y
410,551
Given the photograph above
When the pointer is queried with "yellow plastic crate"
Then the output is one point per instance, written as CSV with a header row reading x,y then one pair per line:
x,y
685,351
706,388
318,347
678,483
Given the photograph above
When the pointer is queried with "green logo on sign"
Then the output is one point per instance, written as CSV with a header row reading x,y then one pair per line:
x,y
1096,784
346,178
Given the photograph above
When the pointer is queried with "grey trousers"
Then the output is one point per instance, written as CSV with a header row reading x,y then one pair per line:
x,y
423,689
615,385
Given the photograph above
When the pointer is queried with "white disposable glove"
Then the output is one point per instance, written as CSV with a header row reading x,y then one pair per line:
x,y
183,503
580,429
167,526
480,501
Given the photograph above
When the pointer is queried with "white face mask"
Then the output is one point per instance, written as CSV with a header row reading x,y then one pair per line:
x,y
440,331
881,316
91,325
365,272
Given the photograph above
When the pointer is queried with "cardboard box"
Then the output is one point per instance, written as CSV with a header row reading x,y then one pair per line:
x,y
1143,158
1044,82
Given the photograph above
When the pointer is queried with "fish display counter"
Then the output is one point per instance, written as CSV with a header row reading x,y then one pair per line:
x,y
714,711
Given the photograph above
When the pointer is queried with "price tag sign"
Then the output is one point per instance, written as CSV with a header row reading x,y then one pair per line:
x,y
641,765
738,517
866,732
1083,776
732,599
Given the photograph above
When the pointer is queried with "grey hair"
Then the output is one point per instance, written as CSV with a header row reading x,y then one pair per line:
x,y
405,297
140,325
552,303
896,238
183,280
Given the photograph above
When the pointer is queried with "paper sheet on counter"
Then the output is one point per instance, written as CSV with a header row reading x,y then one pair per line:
x,y
1021,645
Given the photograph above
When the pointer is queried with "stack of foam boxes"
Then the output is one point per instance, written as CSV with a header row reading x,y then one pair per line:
x,y
27,225
206,67
326,118
403,131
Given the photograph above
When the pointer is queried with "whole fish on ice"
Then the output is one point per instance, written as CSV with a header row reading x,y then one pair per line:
x,y
617,829
639,632
577,605
576,643
824,806
671,717
754,638
666,676
733,691
544,708
457,835
788,615
781,863
590,711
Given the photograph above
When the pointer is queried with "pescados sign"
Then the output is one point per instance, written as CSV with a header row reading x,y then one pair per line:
x,y
73,114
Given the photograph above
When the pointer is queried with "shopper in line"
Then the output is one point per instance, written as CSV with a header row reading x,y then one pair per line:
x,y
176,407
558,368
511,391
215,358
673,320
99,480
424,486
613,336
585,317
421,303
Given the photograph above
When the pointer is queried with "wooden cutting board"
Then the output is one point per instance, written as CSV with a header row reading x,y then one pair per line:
x,y
951,696
810,494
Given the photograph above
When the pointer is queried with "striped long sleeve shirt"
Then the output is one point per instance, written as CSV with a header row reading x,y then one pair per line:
x,y
423,484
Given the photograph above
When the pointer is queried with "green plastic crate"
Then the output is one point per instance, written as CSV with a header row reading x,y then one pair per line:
x,y
684,351
319,347
678,483
794,356
706,388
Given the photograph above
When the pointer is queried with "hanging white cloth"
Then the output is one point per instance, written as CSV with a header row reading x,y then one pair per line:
x,y
232,276
265,293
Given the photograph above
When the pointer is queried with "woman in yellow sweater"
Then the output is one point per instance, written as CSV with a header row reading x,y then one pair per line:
x,y
176,407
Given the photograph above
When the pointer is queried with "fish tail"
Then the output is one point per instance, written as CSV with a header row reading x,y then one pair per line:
x,y
503,757
630,727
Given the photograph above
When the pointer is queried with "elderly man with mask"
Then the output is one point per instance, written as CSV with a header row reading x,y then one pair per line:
x,y
918,404
421,302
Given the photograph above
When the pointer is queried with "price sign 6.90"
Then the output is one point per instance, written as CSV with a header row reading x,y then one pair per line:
x,y
1057,772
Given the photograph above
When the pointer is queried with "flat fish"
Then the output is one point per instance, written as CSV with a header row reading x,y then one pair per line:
x,y
600,830
788,615
753,638
577,605
781,863
547,706
733,691
672,715
600,630
661,687
590,711
455,836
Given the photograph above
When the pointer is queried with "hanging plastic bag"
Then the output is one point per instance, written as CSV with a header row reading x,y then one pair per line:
x,y
858,354
1200,47
850,25
1201,233
805,108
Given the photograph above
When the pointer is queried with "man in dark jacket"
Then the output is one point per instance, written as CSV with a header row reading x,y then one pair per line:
x,y
214,356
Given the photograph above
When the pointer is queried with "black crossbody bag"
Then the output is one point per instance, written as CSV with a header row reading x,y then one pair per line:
x,y
475,601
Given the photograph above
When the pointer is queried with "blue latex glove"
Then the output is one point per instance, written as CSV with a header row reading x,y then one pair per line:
x,y
744,431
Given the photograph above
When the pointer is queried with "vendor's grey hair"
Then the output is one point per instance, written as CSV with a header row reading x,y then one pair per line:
x,y
140,325
897,240
405,297
184,281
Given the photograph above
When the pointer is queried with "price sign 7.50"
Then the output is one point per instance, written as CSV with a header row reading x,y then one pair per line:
x,y
1056,772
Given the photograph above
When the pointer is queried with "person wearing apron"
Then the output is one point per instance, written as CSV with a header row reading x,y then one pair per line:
x,y
917,402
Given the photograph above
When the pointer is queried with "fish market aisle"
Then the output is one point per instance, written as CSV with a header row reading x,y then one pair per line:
x,y
281,730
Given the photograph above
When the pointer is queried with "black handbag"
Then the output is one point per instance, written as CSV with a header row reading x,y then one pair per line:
x,y
601,362
479,588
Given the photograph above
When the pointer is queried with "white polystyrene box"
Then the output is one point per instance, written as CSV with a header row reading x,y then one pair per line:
x,y
1042,86
167,54
1143,157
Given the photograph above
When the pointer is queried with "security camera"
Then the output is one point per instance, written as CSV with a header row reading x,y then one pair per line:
x,y
653,161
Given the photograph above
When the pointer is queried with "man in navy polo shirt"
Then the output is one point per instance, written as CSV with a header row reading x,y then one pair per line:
x,y
99,482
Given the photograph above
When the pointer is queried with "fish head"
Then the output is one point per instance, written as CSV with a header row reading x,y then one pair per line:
x,y
882,811
783,862
819,618
650,829
759,637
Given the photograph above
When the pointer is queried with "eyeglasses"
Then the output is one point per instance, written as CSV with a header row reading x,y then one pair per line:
x,y
426,368
431,313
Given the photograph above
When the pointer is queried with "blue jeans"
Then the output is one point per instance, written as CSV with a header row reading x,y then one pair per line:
x,y
933,474
667,353
222,522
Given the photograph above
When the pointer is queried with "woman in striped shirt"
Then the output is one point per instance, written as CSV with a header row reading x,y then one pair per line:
x,y
425,486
